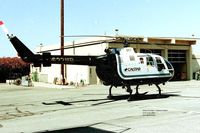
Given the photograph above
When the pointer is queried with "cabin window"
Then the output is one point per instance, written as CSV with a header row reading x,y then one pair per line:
x,y
132,58
158,60
150,61
121,59
141,60
128,50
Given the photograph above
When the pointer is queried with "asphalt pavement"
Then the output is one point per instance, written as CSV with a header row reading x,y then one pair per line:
x,y
56,108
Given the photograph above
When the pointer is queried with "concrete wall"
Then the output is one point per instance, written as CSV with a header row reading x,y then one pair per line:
x,y
195,64
77,73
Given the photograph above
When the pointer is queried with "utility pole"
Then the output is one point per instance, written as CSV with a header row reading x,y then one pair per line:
x,y
62,38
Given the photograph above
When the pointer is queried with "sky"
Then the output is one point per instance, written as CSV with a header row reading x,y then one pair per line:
x,y
38,21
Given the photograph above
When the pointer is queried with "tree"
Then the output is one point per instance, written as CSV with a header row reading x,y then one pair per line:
x,y
12,68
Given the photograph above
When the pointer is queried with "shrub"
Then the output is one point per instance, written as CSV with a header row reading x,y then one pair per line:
x,y
13,68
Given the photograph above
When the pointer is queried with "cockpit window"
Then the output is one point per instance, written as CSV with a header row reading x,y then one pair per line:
x,y
160,64
169,66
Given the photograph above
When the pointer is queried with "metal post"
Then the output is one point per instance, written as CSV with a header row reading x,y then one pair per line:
x,y
73,43
62,37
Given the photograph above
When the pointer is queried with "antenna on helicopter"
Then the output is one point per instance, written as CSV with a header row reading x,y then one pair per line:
x,y
116,31
126,44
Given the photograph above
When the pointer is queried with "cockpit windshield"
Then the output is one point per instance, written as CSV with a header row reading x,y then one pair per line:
x,y
169,65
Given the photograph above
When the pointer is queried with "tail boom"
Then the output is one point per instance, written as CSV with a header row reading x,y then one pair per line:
x,y
47,59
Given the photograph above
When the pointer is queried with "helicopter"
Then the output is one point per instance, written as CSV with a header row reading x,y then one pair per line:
x,y
118,67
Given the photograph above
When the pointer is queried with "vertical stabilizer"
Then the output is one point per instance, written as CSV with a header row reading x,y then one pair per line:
x,y
25,53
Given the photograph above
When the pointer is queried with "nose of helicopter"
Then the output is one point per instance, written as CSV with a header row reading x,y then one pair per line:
x,y
171,71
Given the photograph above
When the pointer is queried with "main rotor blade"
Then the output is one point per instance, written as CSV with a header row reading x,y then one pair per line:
x,y
89,36
82,44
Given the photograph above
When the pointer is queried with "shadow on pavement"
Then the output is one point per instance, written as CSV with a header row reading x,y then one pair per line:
x,y
78,130
71,102
113,99
142,97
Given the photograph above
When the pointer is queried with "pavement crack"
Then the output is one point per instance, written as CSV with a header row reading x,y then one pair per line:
x,y
15,113
19,111
25,113
7,105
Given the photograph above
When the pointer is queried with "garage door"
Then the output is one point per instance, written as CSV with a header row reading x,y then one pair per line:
x,y
177,56
178,60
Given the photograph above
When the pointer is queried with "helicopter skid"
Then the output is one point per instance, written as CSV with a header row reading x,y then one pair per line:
x,y
140,94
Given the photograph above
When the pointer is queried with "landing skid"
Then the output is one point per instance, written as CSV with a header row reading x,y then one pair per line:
x,y
141,94
129,90
137,92
159,90
110,96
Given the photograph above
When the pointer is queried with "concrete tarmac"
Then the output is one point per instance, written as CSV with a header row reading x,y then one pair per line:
x,y
51,108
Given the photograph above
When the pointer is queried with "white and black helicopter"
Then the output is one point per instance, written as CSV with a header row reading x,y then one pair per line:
x,y
118,67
